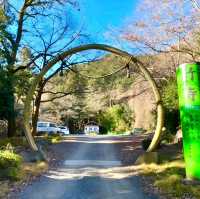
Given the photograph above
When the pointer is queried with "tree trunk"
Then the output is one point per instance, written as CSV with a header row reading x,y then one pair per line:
x,y
37,108
11,122
11,110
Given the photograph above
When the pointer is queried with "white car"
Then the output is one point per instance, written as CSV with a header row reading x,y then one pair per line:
x,y
47,127
63,130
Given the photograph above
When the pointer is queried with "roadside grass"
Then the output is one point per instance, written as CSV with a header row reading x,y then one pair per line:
x,y
5,189
168,178
14,171
10,163
92,133
53,139
12,166
118,133
33,169
14,141
10,170
22,142
25,172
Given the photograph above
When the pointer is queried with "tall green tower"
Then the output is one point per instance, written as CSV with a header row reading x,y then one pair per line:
x,y
188,79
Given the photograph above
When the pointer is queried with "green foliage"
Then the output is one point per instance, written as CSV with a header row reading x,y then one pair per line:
x,y
116,133
107,65
92,95
54,139
6,91
168,177
14,141
170,94
171,182
11,173
22,83
170,101
9,159
9,164
167,137
117,118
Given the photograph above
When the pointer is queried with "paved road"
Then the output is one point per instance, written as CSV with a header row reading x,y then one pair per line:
x,y
90,169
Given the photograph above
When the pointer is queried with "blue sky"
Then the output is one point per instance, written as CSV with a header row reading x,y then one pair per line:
x,y
101,16
98,18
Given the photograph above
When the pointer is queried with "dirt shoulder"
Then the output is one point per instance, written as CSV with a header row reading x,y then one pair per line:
x,y
164,175
29,169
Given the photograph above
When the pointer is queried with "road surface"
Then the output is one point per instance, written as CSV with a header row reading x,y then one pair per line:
x,y
90,168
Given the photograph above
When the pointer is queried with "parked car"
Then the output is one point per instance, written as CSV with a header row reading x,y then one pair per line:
x,y
47,128
63,130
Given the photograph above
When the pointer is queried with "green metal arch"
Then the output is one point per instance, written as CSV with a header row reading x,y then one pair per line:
x,y
147,75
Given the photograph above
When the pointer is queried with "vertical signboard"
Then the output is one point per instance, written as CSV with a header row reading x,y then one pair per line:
x,y
188,79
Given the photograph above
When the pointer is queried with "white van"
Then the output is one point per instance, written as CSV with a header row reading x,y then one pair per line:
x,y
47,127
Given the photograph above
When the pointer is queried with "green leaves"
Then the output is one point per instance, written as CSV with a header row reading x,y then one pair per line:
x,y
9,159
9,164
6,91
116,118
170,101
23,80
170,94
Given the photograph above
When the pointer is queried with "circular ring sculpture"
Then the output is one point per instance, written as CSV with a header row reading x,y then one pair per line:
x,y
63,55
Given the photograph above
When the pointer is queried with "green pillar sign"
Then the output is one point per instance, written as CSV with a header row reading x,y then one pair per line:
x,y
188,79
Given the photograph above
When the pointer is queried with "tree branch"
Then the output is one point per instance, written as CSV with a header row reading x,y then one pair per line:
x,y
20,28
63,95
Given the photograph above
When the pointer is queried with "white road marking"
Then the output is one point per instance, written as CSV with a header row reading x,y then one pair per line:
x,y
92,163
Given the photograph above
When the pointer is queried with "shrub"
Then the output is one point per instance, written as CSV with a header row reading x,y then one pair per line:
x,y
54,138
117,118
170,101
167,137
10,165
11,173
9,159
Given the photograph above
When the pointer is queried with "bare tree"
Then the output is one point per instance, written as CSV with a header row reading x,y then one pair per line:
x,y
26,25
54,95
162,27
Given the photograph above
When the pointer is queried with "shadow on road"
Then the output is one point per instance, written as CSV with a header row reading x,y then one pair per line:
x,y
91,168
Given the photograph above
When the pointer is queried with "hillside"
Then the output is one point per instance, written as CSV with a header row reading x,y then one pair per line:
x,y
92,96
